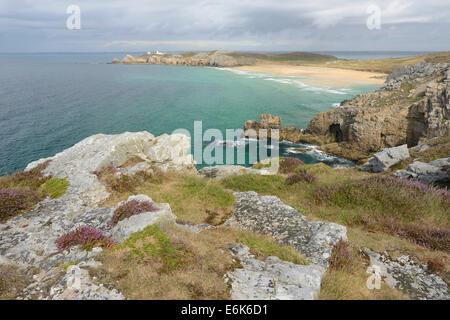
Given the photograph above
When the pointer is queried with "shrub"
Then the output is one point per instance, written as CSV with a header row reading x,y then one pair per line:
x,y
132,208
31,179
400,198
16,201
435,265
288,165
300,176
341,256
55,187
84,236
120,183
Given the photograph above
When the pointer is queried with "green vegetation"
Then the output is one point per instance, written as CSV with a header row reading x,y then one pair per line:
x,y
191,198
55,187
12,281
384,65
154,243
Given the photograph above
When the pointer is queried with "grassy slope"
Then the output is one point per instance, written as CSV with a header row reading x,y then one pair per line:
x,y
379,65
193,199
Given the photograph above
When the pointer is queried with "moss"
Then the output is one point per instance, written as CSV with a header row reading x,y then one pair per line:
x,y
154,243
55,187
207,191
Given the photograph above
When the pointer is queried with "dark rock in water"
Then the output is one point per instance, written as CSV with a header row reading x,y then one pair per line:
x,y
263,129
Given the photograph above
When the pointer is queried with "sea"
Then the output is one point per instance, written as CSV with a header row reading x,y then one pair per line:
x,y
50,101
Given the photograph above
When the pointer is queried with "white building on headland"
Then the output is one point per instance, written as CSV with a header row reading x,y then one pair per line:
x,y
159,53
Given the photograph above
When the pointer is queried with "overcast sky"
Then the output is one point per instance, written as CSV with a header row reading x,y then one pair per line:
x,y
264,25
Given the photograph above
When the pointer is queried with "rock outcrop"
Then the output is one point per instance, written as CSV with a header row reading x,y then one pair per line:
x,y
28,240
403,274
266,126
386,158
223,171
272,279
434,171
411,107
268,215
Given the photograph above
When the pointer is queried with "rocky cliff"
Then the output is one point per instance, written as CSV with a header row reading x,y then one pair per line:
x,y
211,59
411,107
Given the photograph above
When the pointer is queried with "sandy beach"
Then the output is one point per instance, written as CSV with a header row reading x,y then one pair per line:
x,y
318,76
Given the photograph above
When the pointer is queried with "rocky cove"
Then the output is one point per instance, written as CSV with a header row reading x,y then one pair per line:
x,y
291,233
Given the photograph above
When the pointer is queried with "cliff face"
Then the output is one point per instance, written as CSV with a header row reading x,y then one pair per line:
x,y
411,107
212,59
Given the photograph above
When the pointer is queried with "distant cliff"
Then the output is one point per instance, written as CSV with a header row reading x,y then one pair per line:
x,y
220,58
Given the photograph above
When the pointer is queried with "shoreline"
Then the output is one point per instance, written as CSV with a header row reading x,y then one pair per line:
x,y
318,76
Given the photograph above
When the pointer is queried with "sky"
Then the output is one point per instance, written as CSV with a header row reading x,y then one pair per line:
x,y
263,25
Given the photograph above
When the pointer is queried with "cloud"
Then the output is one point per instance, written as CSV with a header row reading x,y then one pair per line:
x,y
228,24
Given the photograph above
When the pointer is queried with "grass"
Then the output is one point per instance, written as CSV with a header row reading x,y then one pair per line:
x,y
191,198
171,263
55,187
384,65
12,282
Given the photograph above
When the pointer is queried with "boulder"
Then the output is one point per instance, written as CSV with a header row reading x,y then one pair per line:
x,y
272,279
386,158
413,279
434,171
77,285
268,215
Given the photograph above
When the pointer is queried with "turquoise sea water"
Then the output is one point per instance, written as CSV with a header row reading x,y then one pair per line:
x,y
48,102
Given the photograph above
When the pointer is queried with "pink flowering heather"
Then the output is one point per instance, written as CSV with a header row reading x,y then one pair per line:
x,y
132,208
84,236
341,256
15,201
300,176
31,179
288,165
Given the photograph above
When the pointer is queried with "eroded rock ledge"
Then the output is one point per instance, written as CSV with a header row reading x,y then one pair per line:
x,y
270,216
